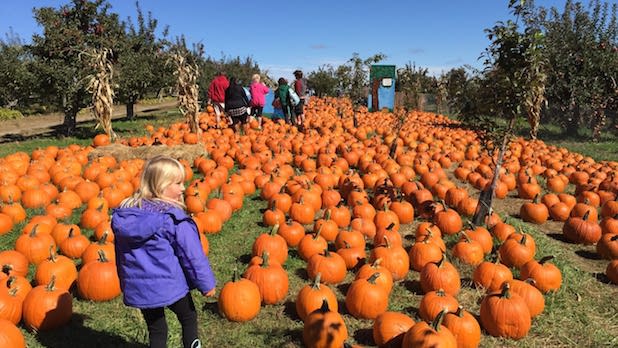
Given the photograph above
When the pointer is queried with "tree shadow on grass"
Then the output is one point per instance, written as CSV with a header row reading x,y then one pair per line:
x,y
76,335
414,286
289,308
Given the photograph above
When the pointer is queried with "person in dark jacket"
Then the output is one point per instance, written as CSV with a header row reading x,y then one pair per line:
x,y
158,252
282,93
236,103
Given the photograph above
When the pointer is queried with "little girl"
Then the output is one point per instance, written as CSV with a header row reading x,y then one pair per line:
x,y
258,99
158,252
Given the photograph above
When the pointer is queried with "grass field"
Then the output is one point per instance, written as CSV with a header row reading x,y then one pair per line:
x,y
583,313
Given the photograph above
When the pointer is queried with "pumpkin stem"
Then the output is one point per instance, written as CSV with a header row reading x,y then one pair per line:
x,y
326,253
316,282
377,262
265,259
235,275
51,286
390,227
585,217
34,231
535,200
13,291
274,230
317,234
7,268
373,278
460,312
437,322
103,239
442,261
545,259
102,257
524,239
346,244
71,232
52,253
506,290
327,215
10,280
466,237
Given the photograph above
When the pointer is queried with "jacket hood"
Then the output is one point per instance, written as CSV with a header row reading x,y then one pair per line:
x,y
134,225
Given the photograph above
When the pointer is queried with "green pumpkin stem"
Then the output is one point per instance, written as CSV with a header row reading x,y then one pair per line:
x,y
437,322
442,261
274,230
235,275
52,253
34,231
265,259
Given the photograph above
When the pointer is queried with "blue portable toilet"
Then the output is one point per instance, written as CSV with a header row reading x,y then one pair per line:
x,y
381,87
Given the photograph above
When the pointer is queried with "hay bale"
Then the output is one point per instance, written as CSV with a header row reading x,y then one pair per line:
x,y
123,152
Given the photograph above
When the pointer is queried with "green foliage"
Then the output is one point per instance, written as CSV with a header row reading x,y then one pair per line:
x,y
16,79
323,81
69,31
581,48
9,114
141,67
414,82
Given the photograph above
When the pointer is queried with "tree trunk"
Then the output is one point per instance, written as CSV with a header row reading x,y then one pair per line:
x,y
70,122
572,125
486,197
130,110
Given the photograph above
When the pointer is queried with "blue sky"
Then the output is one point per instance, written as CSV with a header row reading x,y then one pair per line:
x,y
283,36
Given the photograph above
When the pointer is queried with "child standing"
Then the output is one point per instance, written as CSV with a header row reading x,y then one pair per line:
x,y
258,98
158,252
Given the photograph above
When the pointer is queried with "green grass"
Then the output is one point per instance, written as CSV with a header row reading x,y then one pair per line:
x,y
581,314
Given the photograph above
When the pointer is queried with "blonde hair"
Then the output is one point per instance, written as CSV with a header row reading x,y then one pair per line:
x,y
256,77
158,173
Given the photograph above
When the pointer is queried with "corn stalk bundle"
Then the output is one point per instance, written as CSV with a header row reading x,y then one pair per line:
x,y
187,75
100,86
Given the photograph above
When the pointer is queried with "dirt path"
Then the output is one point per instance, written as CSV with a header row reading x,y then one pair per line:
x,y
12,130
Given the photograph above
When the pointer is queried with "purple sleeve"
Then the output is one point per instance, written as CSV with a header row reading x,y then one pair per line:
x,y
192,259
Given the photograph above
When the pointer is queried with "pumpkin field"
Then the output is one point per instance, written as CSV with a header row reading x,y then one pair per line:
x,y
357,231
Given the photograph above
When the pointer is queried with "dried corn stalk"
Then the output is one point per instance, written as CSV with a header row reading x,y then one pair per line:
x,y
187,75
100,86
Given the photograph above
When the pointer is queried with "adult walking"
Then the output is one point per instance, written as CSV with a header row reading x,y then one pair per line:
x,y
282,93
216,95
300,87
236,103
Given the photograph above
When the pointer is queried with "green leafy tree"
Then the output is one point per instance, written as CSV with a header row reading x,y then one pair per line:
x,y
414,82
354,76
512,74
323,81
141,67
581,49
455,81
16,78
68,31
240,68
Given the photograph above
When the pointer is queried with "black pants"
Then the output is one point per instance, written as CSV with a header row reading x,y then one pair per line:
x,y
187,316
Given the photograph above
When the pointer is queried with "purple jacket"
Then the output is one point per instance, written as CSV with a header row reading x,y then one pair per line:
x,y
258,94
158,255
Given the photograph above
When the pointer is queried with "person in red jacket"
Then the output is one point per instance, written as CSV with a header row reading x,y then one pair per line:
x,y
216,94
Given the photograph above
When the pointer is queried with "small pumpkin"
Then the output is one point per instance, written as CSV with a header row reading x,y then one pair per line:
x,y
324,328
239,299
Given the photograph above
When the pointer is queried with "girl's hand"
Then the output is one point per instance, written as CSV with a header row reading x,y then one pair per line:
x,y
211,293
